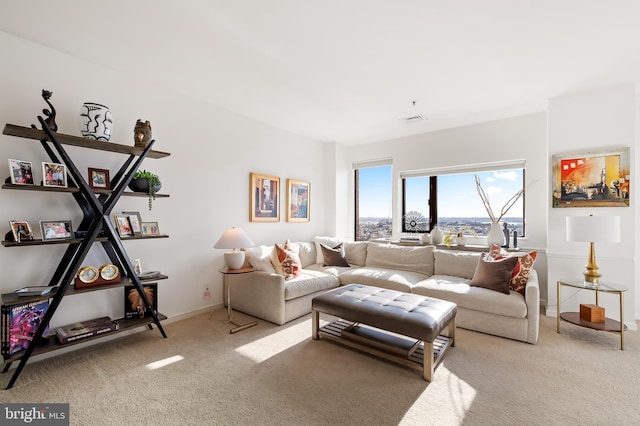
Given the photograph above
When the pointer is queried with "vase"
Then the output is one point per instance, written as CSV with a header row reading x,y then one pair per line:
x,y
142,185
461,240
95,121
495,235
436,235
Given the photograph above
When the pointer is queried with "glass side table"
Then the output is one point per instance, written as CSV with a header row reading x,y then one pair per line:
x,y
609,324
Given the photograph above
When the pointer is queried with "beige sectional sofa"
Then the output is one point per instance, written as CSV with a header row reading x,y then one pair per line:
x,y
425,270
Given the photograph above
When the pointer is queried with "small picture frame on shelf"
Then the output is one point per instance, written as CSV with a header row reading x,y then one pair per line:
x,y
99,178
137,266
135,220
150,228
54,175
56,230
21,172
123,225
21,230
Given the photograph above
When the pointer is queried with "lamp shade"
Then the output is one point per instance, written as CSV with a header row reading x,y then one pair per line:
x,y
234,238
593,229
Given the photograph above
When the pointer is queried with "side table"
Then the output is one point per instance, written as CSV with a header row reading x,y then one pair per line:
x,y
609,324
226,272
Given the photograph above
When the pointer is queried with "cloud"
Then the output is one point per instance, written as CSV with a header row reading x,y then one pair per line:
x,y
508,175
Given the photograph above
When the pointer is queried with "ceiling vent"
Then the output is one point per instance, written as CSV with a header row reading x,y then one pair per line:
x,y
414,119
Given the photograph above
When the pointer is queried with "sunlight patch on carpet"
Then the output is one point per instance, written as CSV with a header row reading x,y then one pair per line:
x,y
454,398
164,362
262,349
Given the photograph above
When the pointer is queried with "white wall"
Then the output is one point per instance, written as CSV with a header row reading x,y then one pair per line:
x,y
515,138
583,123
207,176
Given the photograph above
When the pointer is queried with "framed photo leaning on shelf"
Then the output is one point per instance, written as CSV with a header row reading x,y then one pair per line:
x,y
56,230
150,228
135,220
21,230
54,175
99,178
123,225
21,172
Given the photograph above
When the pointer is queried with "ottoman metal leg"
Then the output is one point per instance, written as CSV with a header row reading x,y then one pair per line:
x,y
315,323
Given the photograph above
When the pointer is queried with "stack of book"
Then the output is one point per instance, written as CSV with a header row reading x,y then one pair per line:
x,y
85,329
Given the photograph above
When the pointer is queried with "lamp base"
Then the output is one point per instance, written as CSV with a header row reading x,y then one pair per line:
x,y
592,277
234,259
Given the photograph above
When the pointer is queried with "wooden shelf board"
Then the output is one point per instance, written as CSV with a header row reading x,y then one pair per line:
x,y
52,343
79,141
38,242
74,190
608,324
13,298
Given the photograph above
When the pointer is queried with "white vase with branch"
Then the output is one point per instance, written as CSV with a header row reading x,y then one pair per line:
x,y
496,235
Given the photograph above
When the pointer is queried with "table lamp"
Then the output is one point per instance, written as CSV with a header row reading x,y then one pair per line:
x,y
234,238
593,229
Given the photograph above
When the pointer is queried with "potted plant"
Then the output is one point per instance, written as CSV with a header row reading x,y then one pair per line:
x,y
457,235
144,181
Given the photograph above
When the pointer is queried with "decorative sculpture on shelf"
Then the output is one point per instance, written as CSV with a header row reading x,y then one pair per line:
x,y
505,231
51,115
142,134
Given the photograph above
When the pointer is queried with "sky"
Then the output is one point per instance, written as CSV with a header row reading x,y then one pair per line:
x,y
458,196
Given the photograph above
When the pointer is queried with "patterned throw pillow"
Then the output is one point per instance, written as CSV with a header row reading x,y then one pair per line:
x,y
522,270
286,262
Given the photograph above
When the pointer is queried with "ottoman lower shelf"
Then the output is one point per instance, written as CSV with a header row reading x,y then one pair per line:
x,y
400,349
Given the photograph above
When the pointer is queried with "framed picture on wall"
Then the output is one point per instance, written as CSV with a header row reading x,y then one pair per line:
x,y
264,198
298,209
592,179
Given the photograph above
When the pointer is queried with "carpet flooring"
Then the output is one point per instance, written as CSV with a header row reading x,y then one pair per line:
x,y
276,375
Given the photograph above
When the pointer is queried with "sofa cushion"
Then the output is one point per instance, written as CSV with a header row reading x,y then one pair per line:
x,y
522,269
306,251
356,252
456,264
494,275
309,281
286,262
333,256
259,257
405,258
458,291
393,279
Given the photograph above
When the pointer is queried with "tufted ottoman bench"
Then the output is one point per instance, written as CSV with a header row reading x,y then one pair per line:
x,y
366,311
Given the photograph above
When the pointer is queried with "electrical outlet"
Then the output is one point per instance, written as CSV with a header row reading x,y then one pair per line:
x,y
206,294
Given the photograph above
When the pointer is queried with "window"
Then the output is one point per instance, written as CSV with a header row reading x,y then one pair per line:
x,y
451,200
373,201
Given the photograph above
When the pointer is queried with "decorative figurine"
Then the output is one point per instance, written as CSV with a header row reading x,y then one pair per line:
x,y
505,231
51,115
515,239
142,134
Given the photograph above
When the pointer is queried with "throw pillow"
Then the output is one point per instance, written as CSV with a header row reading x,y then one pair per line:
x,y
260,258
522,270
333,256
285,262
328,241
494,275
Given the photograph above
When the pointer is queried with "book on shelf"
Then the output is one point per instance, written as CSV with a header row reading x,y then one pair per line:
x,y
134,305
84,329
20,322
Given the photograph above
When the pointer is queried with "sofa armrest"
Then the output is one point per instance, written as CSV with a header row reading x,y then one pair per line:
x,y
258,293
532,299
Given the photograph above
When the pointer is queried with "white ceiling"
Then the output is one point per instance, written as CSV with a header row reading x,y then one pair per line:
x,y
348,70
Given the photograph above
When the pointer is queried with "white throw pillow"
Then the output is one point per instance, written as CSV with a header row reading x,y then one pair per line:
x,y
260,258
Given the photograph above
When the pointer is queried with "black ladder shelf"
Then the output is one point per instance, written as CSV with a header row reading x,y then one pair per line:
x,y
96,208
